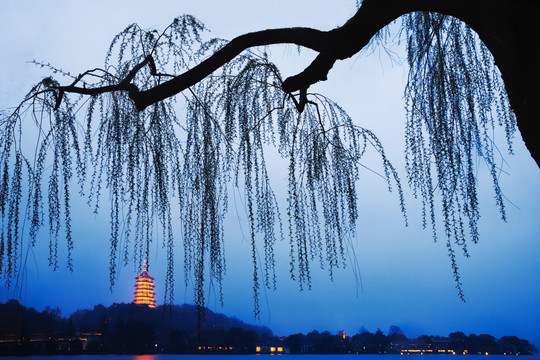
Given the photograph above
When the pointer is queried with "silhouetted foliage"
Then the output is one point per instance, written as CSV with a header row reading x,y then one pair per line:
x,y
396,335
132,143
458,341
513,345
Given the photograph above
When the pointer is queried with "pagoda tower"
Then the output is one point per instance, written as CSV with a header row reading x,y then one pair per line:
x,y
144,289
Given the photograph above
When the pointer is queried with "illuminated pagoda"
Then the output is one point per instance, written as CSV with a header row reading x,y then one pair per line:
x,y
144,289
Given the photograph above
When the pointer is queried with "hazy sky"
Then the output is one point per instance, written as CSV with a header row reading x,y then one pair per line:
x,y
406,279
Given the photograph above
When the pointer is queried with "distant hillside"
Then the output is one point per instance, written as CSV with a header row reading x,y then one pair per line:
x,y
163,319
124,328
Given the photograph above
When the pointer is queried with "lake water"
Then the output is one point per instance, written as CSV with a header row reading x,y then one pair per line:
x,y
260,357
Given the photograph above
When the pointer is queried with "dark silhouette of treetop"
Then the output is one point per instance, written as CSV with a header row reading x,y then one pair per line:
x,y
119,129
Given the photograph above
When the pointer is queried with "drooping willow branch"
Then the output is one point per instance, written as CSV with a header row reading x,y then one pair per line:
x,y
137,148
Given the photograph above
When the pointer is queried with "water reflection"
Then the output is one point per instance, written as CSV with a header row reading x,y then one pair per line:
x,y
145,357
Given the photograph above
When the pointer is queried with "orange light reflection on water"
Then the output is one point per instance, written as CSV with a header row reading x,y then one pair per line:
x,y
144,357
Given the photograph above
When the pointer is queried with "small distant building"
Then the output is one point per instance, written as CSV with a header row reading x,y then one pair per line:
x,y
144,289
273,349
89,337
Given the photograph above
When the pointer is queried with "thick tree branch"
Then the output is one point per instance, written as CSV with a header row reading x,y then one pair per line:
x,y
310,38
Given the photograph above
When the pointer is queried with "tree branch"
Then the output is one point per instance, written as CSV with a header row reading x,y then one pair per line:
x,y
310,38
124,85
316,71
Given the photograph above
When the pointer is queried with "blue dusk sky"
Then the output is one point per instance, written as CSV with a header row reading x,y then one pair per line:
x,y
402,276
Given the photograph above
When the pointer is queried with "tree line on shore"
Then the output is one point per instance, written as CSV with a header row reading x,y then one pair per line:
x,y
128,328
395,342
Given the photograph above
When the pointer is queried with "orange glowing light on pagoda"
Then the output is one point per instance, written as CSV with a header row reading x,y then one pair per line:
x,y
144,289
